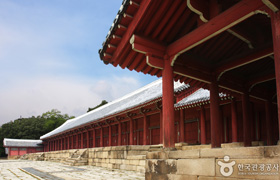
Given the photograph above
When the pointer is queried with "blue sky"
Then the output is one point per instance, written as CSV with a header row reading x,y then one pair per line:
x,y
49,57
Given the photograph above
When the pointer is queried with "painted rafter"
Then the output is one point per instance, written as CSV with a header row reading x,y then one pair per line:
x,y
215,26
129,32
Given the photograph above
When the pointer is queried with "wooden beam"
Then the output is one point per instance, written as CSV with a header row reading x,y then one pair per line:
x,y
243,61
275,25
193,74
205,14
200,8
274,5
229,18
259,80
144,45
154,62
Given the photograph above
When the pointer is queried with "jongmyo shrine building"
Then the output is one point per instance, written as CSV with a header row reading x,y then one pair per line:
x,y
219,68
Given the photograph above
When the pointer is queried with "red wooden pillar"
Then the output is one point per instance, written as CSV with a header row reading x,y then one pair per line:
x,y
82,140
246,120
93,138
234,121
182,129
110,135
131,131
145,131
268,118
161,127
77,141
87,138
61,143
72,142
202,126
119,134
68,144
222,124
275,24
215,115
168,105
101,137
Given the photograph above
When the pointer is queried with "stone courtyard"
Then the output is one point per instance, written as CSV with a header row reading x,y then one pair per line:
x,y
22,169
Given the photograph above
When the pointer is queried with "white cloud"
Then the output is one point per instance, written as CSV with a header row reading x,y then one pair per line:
x,y
69,95
43,45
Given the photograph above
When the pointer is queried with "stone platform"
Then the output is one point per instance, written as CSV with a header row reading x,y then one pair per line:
x,y
194,162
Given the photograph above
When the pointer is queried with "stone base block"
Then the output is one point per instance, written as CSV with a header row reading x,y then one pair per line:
x,y
257,143
202,166
232,145
207,146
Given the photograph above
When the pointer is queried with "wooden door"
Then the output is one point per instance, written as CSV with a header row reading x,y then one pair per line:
x,y
192,131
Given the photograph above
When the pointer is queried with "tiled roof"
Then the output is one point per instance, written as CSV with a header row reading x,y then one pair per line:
x,y
139,97
21,142
200,95
118,17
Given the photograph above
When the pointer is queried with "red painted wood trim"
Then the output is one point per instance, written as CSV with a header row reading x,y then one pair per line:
x,y
68,138
246,120
154,62
131,28
202,125
274,5
119,134
101,137
268,119
234,121
168,105
182,126
215,115
161,128
87,138
131,131
275,24
145,129
245,60
82,140
215,26
110,135
259,80
93,138
193,74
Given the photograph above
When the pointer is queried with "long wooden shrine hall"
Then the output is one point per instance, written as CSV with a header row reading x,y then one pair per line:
x,y
228,48
224,46
128,120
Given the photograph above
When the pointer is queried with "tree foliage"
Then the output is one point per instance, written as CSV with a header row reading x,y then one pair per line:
x,y
32,127
103,102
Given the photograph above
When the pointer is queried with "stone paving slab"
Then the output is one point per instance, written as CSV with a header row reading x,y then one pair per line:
x,y
39,170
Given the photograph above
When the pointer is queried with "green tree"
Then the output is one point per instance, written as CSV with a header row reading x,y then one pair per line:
x,y
103,102
32,127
